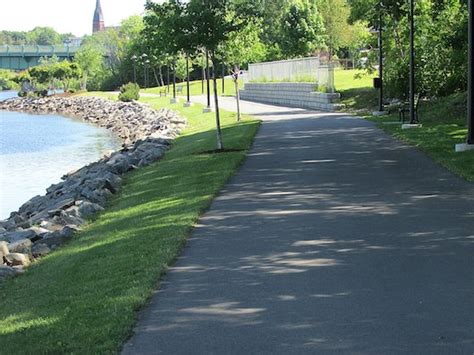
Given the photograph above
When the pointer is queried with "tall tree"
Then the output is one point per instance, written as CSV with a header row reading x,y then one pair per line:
x,y
303,29
242,47
210,23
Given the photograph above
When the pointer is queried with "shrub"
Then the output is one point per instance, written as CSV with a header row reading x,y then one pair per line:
x,y
129,92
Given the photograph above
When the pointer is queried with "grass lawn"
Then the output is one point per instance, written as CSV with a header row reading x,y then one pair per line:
x,y
195,88
352,79
444,125
83,298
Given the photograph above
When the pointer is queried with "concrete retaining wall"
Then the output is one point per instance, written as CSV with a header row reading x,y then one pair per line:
x,y
301,95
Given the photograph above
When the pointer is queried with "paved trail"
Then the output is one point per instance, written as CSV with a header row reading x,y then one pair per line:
x,y
332,238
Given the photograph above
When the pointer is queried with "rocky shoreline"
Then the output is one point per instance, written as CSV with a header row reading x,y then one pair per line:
x,y
46,222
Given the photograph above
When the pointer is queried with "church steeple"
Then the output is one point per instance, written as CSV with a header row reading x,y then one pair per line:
x,y
98,23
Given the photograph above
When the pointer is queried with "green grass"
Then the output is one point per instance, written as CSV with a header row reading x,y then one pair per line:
x,y
352,79
195,88
444,125
356,89
83,298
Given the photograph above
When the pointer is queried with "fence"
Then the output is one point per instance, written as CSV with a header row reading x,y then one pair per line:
x,y
309,70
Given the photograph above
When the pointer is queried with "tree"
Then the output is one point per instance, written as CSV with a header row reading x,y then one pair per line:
x,y
66,71
90,61
180,67
303,30
440,28
165,29
242,47
210,23
339,32
43,36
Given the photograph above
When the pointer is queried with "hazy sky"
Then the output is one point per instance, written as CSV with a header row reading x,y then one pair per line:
x,y
64,16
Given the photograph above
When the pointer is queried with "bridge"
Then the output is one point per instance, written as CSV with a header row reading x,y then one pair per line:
x,y
26,56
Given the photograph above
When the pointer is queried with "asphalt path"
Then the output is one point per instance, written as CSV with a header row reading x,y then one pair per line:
x,y
332,238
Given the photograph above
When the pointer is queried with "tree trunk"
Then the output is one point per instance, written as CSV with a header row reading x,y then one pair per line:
x,y
220,145
156,76
237,94
160,72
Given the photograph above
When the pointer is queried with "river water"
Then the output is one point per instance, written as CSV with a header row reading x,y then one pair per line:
x,y
36,150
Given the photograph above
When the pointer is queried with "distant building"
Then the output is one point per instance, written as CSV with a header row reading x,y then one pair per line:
x,y
73,41
98,23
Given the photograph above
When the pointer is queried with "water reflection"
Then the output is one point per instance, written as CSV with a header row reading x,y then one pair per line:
x,y
36,150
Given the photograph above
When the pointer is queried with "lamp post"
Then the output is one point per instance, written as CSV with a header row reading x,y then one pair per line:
x,y
144,57
469,145
208,108
174,99
134,60
413,116
168,77
146,64
380,64
223,77
378,82
470,78
188,98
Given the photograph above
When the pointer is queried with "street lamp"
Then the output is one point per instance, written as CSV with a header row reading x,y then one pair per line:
x,y
188,101
380,59
413,116
469,145
378,82
208,108
144,57
470,101
174,99
134,60
146,64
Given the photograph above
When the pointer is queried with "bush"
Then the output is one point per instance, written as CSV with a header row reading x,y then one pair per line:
x,y
129,92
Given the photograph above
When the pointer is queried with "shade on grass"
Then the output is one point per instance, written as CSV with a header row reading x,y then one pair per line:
x,y
444,125
83,298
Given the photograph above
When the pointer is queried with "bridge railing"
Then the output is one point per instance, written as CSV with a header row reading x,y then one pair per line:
x,y
37,50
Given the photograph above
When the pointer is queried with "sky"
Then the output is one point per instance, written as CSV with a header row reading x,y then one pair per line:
x,y
65,16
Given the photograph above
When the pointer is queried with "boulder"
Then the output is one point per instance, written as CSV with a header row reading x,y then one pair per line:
x,y
4,251
17,259
40,249
88,209
118,163
18,235
22,246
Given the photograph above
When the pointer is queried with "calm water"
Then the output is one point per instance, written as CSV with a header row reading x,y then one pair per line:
x,y
36,150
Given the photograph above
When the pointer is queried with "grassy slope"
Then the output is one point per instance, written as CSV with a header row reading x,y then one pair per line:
x,y
344,80
83,297
444,125
444,122
195,88
356,89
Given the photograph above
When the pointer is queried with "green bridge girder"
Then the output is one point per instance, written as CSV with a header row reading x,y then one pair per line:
x,y
25,56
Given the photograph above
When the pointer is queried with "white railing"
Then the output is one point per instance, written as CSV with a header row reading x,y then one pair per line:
x,y
309,70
